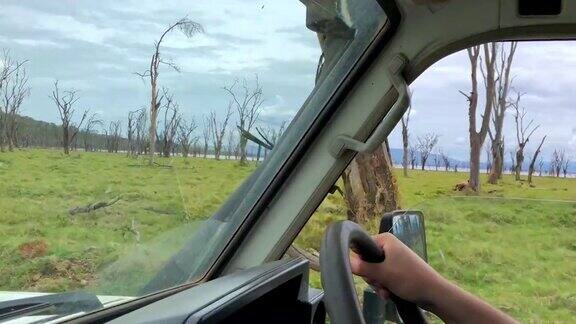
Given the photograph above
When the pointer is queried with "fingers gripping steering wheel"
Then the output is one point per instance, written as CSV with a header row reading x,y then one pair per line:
x,y
339,291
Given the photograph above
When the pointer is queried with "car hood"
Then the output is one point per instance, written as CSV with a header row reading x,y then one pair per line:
x,y
106,300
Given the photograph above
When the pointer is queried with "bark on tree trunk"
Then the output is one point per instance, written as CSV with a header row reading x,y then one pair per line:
x,y
405,150
475,150
152,135
65,141
243,154
370,186
531,168
497,162
519,162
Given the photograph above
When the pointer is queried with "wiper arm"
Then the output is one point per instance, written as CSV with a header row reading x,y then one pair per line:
x,y
53,304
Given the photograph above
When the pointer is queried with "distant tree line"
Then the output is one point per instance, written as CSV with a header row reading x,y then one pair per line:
x,y
158,130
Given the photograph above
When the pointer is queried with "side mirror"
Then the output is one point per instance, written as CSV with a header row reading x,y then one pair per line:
x,y
408,227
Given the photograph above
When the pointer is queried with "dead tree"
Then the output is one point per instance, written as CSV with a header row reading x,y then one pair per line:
x,y
206,135
412,152
370,187
218,130
512,161
65,102
531,168
14,89
89,128
405,140
266,138
141,137
540,167
231,144
556,163
189,28
171,124
501,104
559,163
113,136
445,161
425,146
565,167
8,66
185,138
130,130
523,133
488,160
477,137
248,103
271,135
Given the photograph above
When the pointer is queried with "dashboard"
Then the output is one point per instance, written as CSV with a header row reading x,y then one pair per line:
x,y
276,292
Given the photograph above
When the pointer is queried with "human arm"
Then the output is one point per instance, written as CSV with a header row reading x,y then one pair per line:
x,y
406,275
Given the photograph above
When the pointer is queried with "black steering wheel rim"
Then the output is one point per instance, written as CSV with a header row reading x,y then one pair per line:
x,y
339,290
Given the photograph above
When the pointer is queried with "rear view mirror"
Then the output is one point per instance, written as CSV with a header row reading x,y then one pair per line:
x,y
408,227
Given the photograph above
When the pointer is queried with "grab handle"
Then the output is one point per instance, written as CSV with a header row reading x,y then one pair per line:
x,y
342,143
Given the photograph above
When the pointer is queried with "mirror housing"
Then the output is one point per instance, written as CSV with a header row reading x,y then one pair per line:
x,y
408,226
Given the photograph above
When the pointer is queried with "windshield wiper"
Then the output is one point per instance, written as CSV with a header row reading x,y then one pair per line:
x,y
53,304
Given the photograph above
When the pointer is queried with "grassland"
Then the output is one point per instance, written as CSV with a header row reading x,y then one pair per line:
x,y
44,248
513,245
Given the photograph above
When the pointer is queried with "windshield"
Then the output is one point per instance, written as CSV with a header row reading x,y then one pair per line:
x,y
135,137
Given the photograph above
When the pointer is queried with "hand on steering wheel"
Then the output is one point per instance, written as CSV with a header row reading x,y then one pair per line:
x,y
404,272
340,293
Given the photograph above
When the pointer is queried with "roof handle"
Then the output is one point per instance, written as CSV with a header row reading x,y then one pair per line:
x,y
343,143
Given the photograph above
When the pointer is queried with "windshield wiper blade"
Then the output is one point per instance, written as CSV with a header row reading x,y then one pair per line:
x,y
21,310
53,304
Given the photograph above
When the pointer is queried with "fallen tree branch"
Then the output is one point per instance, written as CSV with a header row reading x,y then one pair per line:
x,y
93,206
162,165
296,252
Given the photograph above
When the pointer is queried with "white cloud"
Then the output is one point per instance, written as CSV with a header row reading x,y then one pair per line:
x,y
64,26
38,42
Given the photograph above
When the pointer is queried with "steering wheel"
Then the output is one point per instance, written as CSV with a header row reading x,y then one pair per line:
x,y
339,290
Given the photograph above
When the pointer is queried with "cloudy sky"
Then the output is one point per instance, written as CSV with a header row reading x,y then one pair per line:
x,y
543,72
96,46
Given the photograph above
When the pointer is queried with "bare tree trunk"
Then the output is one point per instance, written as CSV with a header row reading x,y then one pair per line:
x,y
370,186
531,168
189,28
405,141
475,150
500,106
248,104
477,137
65,139
519,163
153,123
523,133
497,161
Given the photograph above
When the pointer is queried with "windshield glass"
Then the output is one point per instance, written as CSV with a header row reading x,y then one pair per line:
x,y
126,128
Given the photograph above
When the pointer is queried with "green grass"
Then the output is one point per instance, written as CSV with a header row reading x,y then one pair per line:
x,y
38,188
513,245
